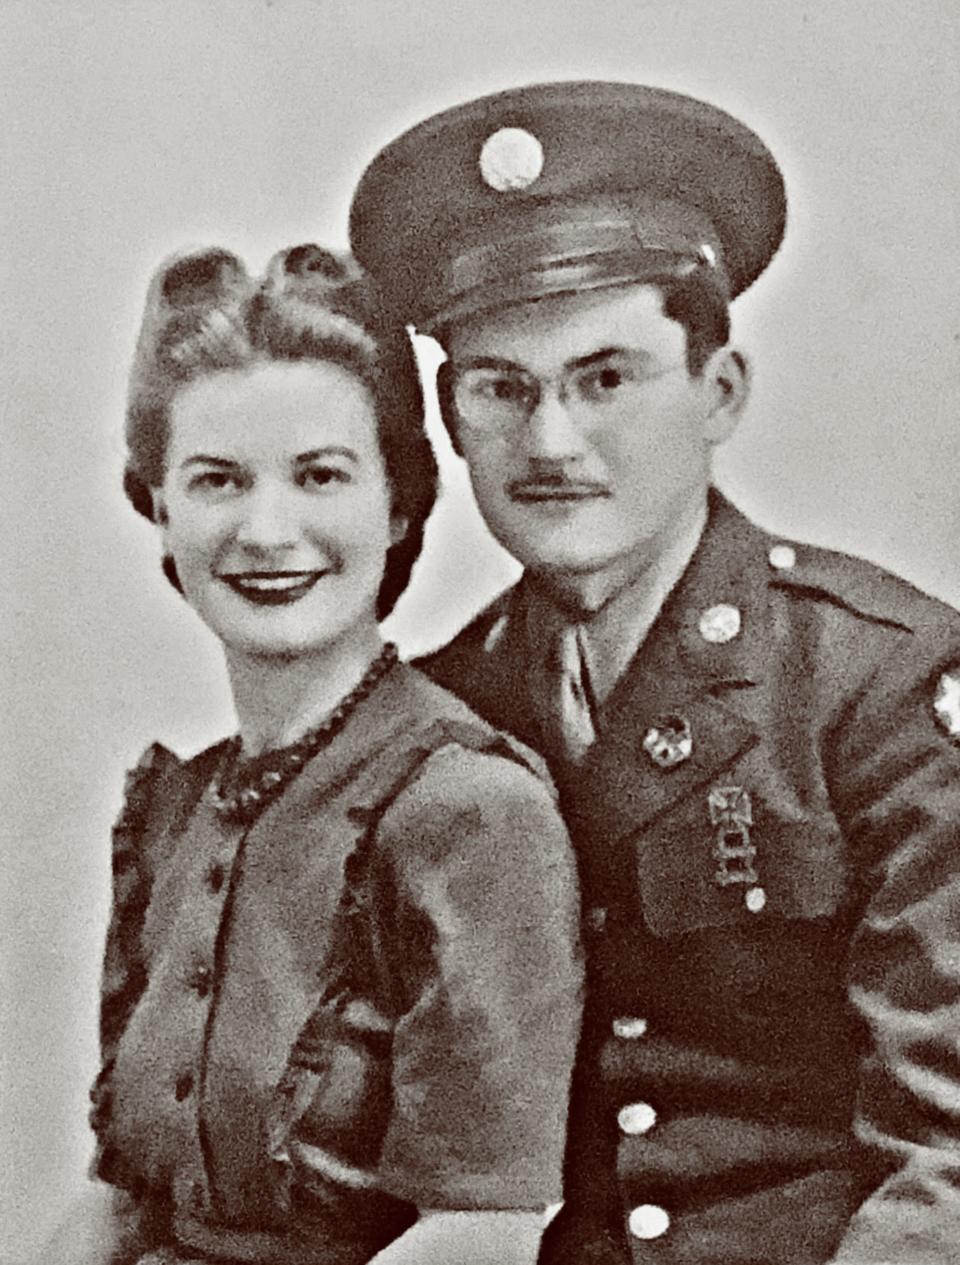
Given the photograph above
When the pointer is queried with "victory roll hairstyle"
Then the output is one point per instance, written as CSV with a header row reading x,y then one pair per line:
x,y
204,314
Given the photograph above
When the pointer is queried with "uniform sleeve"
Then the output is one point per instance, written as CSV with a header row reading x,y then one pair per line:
x,y
123,977
897,770
485,926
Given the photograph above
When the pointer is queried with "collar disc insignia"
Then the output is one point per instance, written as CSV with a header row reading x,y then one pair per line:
x,y
946,703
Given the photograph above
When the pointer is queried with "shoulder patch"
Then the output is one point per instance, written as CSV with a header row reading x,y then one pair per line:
x,y
863,587
946,703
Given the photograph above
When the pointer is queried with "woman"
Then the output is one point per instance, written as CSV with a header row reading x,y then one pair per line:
x,y
341,983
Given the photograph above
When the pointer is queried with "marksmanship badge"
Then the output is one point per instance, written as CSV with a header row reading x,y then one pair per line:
x,y
946,703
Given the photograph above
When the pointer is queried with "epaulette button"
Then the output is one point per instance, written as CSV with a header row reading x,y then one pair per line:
x,y
783,557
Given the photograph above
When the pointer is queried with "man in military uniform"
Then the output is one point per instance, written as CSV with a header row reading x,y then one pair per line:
x,y
755,741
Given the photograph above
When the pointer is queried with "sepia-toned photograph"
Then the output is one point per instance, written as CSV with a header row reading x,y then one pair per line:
x,y
481,648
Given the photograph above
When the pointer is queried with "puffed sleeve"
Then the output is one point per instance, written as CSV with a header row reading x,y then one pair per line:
x,y
897,773
123,977
482,919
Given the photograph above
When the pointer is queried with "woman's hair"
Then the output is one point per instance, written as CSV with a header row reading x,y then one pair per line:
x,y
204,314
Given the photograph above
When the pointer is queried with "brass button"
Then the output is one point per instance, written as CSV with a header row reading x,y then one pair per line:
x,y
783,557
755,899
629,1028
636,1118
648,1221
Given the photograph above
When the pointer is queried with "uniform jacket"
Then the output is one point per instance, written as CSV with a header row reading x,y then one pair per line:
x,y
366,1002
770,1067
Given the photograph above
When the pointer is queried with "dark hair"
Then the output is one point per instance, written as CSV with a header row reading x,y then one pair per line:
x,y
696,300
204,314
701,305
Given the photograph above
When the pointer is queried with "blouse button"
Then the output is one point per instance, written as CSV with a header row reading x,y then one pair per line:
x,y
202,977
648,1221
183,1087
215,877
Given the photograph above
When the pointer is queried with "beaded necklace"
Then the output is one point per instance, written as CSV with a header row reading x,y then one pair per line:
x,y
246,787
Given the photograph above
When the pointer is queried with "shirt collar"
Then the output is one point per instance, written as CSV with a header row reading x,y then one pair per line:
x,y
611,637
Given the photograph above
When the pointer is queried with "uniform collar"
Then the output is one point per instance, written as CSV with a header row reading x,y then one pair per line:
x,y
726,582
724,567
679,672
611,636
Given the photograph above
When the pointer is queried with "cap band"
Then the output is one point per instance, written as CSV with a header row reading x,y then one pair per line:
x,y
571,254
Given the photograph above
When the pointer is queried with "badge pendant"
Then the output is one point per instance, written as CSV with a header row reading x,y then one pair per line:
x,y
731,813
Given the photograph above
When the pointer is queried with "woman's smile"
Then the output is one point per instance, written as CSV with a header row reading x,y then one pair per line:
x,y
273,588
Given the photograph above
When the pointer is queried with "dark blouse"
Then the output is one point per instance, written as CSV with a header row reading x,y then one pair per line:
x,y
366,1003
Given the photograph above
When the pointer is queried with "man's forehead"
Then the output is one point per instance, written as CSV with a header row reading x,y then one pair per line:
x,y
567,327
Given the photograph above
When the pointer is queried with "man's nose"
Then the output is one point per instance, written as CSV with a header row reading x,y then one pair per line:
x,y
269,518
552,434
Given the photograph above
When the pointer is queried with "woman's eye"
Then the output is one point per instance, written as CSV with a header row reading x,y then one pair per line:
x,y
323,476
214,481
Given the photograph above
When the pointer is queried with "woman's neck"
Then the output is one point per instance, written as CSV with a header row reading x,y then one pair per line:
x,y
278,700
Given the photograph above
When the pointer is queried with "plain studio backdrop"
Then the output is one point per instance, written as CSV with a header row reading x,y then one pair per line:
x,y
132,129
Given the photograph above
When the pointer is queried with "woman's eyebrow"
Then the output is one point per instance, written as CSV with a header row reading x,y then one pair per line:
x,y
204,459
332,450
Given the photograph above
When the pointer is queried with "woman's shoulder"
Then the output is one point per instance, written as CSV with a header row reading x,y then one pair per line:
x,y
470,779
158,786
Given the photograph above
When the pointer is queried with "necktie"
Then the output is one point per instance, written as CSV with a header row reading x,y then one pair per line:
x,y
569,700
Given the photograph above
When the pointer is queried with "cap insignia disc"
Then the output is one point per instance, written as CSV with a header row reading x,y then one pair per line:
x,y
511,158
946,703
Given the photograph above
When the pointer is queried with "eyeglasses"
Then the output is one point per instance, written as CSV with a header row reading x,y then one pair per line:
x,y
498,397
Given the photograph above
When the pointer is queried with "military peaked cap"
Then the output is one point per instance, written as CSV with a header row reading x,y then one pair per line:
x,y
563,187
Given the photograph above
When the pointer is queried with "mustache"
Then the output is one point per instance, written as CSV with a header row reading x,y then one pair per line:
x,y
555,484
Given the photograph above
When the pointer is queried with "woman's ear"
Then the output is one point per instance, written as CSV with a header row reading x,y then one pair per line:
x,y
399,526
727,376
160,515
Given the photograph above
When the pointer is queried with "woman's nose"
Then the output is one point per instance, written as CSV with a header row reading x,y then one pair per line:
x,y
269,518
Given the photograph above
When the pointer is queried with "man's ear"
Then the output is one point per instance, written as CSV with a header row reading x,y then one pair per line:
x,y
727,378
448,409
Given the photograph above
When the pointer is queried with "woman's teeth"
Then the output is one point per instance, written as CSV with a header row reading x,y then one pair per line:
x,y
272,583
287,586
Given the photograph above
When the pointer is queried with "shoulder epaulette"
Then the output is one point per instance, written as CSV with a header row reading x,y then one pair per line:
x,y
863,587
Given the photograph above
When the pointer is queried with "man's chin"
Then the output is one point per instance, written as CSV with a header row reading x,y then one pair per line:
x,y
585,582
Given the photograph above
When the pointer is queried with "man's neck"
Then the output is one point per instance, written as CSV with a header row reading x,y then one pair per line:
x,y
657,566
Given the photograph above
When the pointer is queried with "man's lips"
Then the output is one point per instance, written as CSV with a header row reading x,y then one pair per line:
x,y
567,490
272,588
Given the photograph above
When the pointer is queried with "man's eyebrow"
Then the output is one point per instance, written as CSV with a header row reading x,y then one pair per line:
x,y
488,362
331,450
593,357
